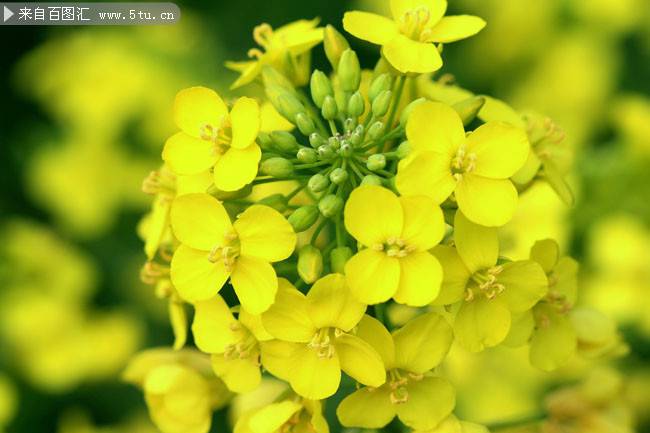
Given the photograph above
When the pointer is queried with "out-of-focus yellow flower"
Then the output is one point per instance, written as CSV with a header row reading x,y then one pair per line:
x,y
213,249
297,415
412,393
315,339
408,39
453,425
475,168
631,114
285,48
8,401
212,137
398,232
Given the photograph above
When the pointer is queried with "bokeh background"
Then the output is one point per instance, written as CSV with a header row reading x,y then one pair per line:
x,y
84,112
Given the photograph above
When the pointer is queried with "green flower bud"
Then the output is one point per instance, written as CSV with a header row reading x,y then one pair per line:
x,y
376,161
307,155
320,88
349,71
285,102
303,218
371,179
284,141
305,124
356,105
318,183
334,44
334,142
273,77
276,201
265,141
316,140
403,149
329,110
349,124
277,167
376,130
310,263
381,103
356,138
330,205
339,257
468,108
406,112
341,97
346,149
326,152
230,195
338,176
380,84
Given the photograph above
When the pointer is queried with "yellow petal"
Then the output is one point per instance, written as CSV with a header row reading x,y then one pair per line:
x,y
272,120
264,233
194,276
237,168
178,319
370,27
424,224
212,325
199,221
407,55
288,319
314,377
422,343
373,214
367,408
454,28
271,418
249,71
360,361
489,202
482,323
455,275
553,343
186,155
197,107
277,357
255,284
372,276
239,375
245,122
525,283
430,401
436,8
500,148
253,322
374,333
420,279
546,252
434,126
477,246
331,304
157,224
428,174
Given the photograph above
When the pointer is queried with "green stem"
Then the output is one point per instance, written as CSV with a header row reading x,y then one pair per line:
x,y
396,100
293,193
312,165
333,128
313,111
319,228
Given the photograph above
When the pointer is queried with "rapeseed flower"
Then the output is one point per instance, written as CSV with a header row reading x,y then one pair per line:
x,y
299,415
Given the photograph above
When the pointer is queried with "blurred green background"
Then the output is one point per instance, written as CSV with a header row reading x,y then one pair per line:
x,y
84,114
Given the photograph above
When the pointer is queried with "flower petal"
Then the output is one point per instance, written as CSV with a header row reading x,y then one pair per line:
x,y
272,417
374,333
501,149
553,342
430,400
314,377
370,27
277,357
436,8
489,202
245,122
186,155
194,276
264,233
255,284
372,276
331,304
477,246
199,221
420,279
434,126
359,360
237,168
424,224
455,275
212,325
196,107
454,28
239,375
525,283
407,55
428,174
422,343
482,323
373,214
367,408
288,318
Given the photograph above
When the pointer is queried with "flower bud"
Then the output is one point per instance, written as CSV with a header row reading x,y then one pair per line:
x,y
334,142
403,149
468,108
316,140
338,176
376,162
285,102
341,97
284,141
349,71
318,183
381,103
334,44
307,155
329,110
305,124
276,201
349,124
356,105
406,112
264,140
346,149
303,218
376,130
371,179
277,167
330,205
339,257
356,138
320,87
378,85
310,263
273,77
326,152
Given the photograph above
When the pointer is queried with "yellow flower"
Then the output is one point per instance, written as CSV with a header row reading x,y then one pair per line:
x,y
408,39
286,49
475,168
232,342
316,342
213,249
210,137
8,401
282,416
412,393
398,232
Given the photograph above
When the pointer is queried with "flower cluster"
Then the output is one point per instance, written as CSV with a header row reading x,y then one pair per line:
x,y
292,230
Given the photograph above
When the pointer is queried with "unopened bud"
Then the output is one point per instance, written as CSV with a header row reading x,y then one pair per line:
x,y
380,84
335,44
468,108
349,124
273,77
307,155
285,102
318,183
406,112
264,140
305,124
403,149
376,130
349,71
376,162
330,205
338,176
277,167
356,138
334,142
284,141
381,103
329,109
371,179
339,257
346,149
303,218
316,140
320,88
326,152
356,105
310,263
